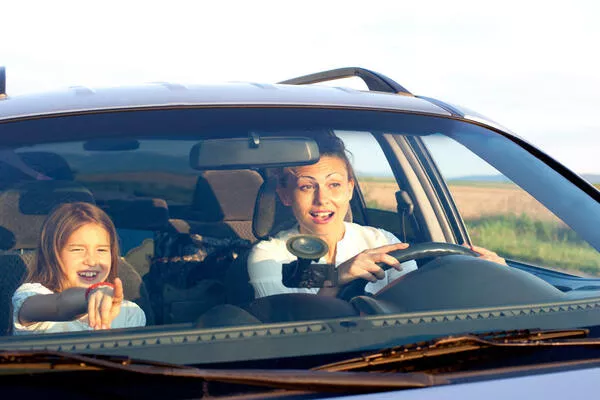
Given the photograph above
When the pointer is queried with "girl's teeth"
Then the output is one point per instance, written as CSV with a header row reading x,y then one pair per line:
x,y
88,274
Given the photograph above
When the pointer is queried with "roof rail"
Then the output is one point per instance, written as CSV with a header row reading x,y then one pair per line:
x,y
373,80
2,83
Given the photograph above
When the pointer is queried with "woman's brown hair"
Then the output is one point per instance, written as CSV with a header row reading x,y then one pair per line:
x,y
329,145
56,230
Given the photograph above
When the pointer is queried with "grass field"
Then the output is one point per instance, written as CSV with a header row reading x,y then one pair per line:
x,y
542,243
504,218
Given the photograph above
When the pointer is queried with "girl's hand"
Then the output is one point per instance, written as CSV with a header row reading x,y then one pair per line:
x,y
104,304
488,255
363,264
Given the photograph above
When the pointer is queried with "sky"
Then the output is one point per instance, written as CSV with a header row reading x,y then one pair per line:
x,y
532,66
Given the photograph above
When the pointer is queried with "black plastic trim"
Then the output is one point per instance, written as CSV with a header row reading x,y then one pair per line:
x,y
188,345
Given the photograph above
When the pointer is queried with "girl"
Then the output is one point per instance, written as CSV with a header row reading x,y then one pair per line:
x,y
319,195
73,285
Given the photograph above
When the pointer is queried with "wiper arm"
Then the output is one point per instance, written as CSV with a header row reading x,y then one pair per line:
x,y
465,343
281,379
65,360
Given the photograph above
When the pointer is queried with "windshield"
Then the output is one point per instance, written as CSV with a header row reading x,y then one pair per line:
x,y
426,226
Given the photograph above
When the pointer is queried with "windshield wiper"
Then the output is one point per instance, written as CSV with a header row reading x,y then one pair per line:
x,y
462,344
306,380
331,378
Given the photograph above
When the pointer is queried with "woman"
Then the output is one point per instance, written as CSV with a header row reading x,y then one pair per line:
x,y
319,195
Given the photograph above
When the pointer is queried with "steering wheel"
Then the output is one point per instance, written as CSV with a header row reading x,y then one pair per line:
x,y
413,252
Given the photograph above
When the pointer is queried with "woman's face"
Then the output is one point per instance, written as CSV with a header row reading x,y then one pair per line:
x,y
319,195
86,258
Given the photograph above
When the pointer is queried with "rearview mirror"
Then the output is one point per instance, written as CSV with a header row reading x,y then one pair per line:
x,y
253,152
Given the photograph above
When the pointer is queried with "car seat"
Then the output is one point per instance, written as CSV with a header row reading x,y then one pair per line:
x,y
223,204
23,209
270,216
191,259
138,220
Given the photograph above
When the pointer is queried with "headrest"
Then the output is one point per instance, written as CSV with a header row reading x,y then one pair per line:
x,y
270,215
49,164
142,214
24,208
226,195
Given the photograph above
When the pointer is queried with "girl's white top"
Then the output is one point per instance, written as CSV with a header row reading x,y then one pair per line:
x,y
131,315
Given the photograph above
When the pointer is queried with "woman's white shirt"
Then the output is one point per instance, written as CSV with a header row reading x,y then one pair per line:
x,y
268,256
131,315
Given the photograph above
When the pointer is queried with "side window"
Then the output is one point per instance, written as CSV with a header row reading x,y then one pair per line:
x,y
378,186
501,216
373,172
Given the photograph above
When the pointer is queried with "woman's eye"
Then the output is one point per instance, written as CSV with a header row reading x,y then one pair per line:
x,y
335,185
75,249
305,188
103,250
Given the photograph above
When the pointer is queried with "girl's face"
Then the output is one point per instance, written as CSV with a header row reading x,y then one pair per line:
x,y
319,195
86,258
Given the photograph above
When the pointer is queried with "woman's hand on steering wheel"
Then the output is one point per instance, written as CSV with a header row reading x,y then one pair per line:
x,y
488,254
364,264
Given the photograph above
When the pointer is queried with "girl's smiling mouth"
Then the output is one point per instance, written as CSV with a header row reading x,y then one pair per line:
x,y
88,275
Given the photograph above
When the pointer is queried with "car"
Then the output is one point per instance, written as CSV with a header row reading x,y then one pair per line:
x,y
191,176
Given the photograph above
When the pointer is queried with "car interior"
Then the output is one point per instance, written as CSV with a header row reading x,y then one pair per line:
x,y
185,236
177,261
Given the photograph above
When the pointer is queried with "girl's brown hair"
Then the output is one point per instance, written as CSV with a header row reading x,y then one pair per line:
x,y
56,230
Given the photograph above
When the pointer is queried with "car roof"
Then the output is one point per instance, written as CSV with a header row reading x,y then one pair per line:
x,y
168,95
